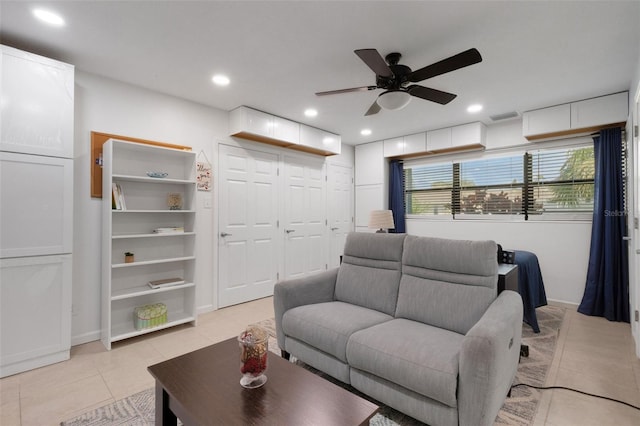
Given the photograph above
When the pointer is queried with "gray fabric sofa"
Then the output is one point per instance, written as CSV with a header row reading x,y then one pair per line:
x,y
413,322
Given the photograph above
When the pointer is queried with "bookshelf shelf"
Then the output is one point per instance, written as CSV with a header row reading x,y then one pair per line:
x,y
144,206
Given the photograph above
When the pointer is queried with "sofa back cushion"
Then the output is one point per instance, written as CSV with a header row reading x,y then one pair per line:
x,y
369,275
447,283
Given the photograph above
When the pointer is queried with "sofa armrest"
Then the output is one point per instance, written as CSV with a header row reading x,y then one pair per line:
x,y
316,288
489,360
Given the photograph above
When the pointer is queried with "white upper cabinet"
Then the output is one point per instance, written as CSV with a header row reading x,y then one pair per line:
x,y
36,101
256,122
439,139
405,145
319,139
457,138
285,130
415,143
468,135
546,120
393,147
576,117
599,111
259,126
247,122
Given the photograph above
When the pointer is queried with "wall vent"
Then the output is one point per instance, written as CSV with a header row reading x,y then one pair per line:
x,y
505,116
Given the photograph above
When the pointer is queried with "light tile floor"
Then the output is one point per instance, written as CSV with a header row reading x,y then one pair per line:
x,y
593,355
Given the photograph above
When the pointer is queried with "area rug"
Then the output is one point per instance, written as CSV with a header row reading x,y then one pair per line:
x,y
519,410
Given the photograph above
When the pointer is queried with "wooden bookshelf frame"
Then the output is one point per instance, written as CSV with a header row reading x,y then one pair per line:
x,y
98,139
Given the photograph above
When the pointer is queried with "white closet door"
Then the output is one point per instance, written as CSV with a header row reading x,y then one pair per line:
x,y
340,205
248,255
340,212
304,216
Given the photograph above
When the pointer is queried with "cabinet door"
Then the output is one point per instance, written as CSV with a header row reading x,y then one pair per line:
x,y
255,122
370,163
415,143
311,137
35,312
36,101
598,111
368,198
467,134
546,120
36,213
439,139
331,142
394,147
286,130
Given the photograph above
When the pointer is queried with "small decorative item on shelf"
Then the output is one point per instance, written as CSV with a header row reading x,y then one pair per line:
x,y
149,316
160,175
174,201
254,345
128,257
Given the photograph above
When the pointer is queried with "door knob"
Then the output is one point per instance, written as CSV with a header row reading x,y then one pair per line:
x,y
224,234
288,231
334,229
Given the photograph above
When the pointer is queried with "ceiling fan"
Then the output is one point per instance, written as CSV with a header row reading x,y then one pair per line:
x,y
395,79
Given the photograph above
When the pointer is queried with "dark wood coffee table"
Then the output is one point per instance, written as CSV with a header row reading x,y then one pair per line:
x,y
203,388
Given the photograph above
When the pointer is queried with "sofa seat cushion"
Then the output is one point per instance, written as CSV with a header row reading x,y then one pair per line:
x,y
328,326
416,356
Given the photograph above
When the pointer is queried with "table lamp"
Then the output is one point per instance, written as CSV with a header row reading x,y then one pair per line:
x,y
381,220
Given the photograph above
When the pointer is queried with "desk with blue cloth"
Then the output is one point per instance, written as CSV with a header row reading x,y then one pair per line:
x,y
529,284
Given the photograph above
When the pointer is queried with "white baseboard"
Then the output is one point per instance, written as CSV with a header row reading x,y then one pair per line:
x,y
85,338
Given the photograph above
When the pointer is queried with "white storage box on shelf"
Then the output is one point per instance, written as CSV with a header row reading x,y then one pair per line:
x,y
140,227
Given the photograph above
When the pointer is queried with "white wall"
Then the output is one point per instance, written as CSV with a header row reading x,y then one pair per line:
x,y
562,247
109,106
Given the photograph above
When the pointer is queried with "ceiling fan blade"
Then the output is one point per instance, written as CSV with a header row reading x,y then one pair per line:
x,y
353,89
461,60
372,58
373,109
432,95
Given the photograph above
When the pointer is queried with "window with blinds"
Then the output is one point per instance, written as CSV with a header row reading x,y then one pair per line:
x,y
561,181
544,182
428,189
488,187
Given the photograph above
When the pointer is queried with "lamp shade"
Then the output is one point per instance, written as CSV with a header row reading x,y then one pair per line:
x,y
381,219
394,99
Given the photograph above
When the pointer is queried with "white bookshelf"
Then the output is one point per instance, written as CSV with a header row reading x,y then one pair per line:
x,y
156,255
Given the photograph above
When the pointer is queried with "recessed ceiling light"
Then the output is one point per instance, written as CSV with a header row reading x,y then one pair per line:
x,y
310,112
474,108
221,80
49,17
365,132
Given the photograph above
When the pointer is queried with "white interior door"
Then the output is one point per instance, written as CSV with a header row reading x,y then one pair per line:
x,y
304,224
249,247
340,202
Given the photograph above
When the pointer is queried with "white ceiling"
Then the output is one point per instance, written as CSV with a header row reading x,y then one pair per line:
x,y
278,54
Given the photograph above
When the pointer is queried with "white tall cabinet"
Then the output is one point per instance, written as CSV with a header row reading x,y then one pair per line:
x,y
371,182
157,255
36,222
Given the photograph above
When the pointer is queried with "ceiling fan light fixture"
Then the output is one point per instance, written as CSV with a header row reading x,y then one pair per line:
x,y
394,99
